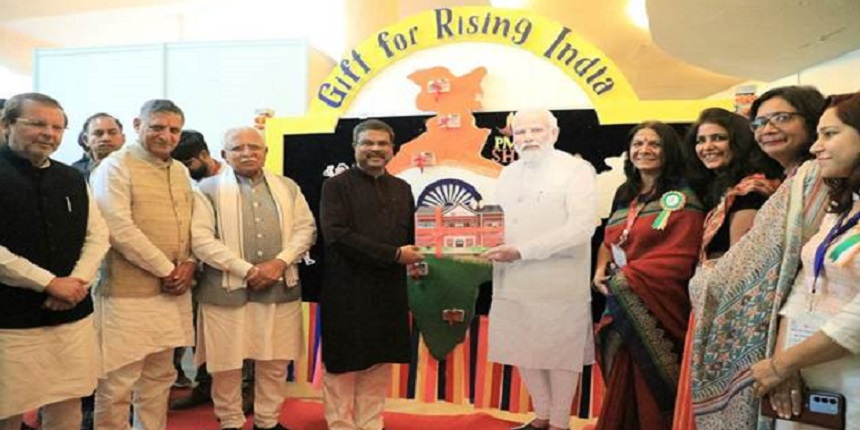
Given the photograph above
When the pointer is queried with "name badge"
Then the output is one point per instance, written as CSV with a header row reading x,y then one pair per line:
x,y
804,325
618,255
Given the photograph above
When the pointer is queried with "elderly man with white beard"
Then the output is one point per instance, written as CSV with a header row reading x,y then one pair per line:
x,y
540,319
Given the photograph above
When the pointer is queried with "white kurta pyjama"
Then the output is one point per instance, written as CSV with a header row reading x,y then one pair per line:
x,y
129,329
227,335
541,312
53,363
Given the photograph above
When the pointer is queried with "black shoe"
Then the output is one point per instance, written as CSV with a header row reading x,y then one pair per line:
x,y
276,427
87,421
182,381
529,426
200,395
248,400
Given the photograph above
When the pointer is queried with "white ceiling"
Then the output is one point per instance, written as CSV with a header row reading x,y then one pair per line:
x,y
760,39
695,47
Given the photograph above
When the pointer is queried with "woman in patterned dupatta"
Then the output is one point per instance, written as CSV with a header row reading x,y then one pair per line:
x,y
736,301
734,177
652,240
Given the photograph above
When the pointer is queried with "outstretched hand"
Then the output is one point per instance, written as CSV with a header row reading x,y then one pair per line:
x,y
502,253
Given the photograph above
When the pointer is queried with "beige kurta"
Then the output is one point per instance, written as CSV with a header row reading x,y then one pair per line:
x,y
129,329
226,335
40,359
837,305
130,325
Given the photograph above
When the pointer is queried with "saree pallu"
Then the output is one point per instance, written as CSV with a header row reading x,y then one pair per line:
x,y
736,303
642,331
756,183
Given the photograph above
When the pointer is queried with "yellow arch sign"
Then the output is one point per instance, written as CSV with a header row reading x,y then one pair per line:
x,y
609,91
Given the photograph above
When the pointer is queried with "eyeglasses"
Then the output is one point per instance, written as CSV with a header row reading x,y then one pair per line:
x,y
776,118
41,124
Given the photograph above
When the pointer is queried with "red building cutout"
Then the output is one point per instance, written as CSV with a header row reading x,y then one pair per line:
x,y
458,229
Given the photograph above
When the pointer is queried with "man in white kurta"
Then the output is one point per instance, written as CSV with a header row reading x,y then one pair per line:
x,y
52,240
540,318
143,306
251,228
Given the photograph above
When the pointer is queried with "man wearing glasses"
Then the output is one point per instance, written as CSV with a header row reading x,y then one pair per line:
x,y
52,240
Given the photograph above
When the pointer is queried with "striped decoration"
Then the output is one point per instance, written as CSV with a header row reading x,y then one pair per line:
x,y
465,377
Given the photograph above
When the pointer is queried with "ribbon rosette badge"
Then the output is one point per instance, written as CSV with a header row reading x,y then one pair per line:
x,y
670,202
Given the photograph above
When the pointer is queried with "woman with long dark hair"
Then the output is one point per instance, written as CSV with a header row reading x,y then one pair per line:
x,y
648,254
734,178
735,301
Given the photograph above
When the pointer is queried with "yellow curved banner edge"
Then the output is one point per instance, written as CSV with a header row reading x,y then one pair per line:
x,y
611,95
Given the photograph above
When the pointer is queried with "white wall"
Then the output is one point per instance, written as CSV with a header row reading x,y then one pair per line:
x,y
86,81
12,83
218,85
840,75
221,85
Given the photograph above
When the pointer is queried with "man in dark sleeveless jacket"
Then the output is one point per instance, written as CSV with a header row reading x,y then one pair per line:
x,y
52,241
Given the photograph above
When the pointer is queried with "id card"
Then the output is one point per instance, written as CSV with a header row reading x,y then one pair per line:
x,y
618,255
804,325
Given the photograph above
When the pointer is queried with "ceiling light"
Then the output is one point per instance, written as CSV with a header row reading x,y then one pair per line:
x,y
638,14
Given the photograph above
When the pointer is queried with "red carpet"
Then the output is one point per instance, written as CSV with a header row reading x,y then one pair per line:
x,y
306,415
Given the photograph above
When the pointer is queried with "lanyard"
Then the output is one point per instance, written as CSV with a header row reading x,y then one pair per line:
x,y
632,214
838,229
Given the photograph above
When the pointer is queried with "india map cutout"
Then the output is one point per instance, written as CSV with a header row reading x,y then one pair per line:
x,y
446,170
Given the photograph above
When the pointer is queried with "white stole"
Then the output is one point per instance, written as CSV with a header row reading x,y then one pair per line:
x,y
228,207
